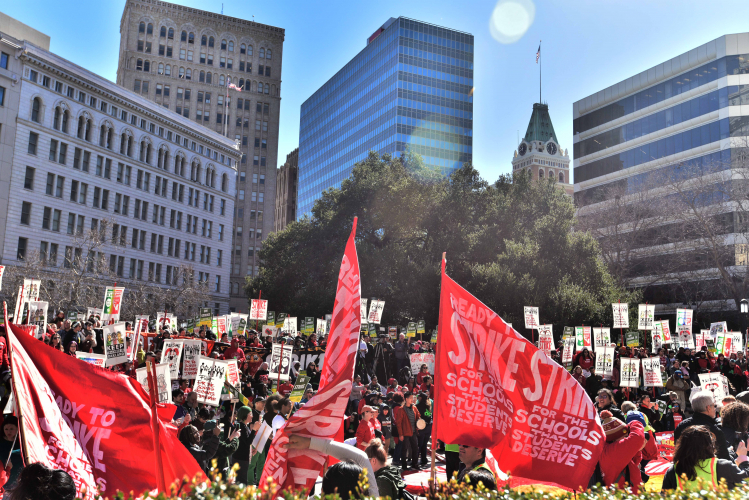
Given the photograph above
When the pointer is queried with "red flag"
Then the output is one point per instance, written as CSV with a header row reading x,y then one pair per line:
x,y
322,416
496,390
92,423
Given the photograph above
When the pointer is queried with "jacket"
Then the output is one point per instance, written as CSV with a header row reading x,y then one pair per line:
x,y
621,455
721,448
725,469
615,412
402,423
204,454
224,452
390,482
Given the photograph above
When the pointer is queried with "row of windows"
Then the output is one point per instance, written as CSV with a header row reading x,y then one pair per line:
x,y
707,103
114,112
205,40
684,141
729,65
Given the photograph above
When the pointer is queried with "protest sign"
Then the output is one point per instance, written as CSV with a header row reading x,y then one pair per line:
x,y
715,383
320,327
717,328
605,362
601,338
686,340
271,321
531,317
91,358
699,339
411,329
92,311
258,309
498,398
569,348
362,311
191,351
621,315
433,340
422,358
309,326
421,327
375,311
281,320
393,332
546,339
651,372
233,378
629,368
2,271
666,332
27,292
110,313
209,380
206,317
656,337
372,330
270,331
38,316
280,362
645,316
114,344
684,319
299,387
163,381
568,332
290,326
170,353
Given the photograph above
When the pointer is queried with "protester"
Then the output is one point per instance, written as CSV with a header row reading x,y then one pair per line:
x,y
38,482
389,481
241,456
473,459
405,420
10,447
695,457
203,451
703,404
619,461
424,406
365,433
605,402
735,423
228,443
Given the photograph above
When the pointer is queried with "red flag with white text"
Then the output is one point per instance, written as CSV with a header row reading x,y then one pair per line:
x,y
496,390
322,416
92,423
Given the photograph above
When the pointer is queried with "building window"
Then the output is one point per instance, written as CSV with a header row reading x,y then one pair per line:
x,y
33,141
25,213
28,181
21,249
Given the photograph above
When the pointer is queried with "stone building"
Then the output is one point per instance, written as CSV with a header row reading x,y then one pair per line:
x,y
286,189
184,59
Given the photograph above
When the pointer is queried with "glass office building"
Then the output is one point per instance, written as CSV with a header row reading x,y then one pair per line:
x,y
411,87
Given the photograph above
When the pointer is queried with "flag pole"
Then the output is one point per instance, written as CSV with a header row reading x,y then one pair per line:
x,y
154,393
14,383
437,386
226,104
540,63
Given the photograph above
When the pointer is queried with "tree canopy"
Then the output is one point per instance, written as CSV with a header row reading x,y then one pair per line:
x,y
509,243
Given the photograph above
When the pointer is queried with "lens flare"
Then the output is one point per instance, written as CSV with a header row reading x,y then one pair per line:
x,y
511,19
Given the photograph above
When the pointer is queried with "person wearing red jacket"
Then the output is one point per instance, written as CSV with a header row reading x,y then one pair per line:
x,y
620,458
234,352
365,433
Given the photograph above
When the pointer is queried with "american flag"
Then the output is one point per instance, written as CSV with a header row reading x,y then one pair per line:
x,y
538,54
234,87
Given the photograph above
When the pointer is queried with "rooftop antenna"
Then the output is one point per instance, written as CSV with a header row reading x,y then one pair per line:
x,y
222,9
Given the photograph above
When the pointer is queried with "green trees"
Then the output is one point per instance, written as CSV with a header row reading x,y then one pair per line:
x,y
509,243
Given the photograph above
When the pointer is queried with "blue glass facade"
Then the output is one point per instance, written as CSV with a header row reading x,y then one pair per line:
x,y
410,87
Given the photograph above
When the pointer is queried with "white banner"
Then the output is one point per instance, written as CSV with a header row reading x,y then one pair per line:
x,y
280,361
210,380
717,328
621,315
99,360
191,351
715,383
422,358
546,339
531,317
270,331
258,309
375,311
686,340
232,377
170,353
684,319
699,339
645,316
38,316
601,338
163,381
656,337
629,368
666,331
115,346
651,372
605,362
569,348
289,327
362,311
110,313
321,327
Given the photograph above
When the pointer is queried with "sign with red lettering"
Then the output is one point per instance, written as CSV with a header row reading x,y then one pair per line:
x,y
209,380
258,309
496,390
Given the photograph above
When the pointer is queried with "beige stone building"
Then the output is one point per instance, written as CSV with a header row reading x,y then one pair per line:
x,y
286,189
184,59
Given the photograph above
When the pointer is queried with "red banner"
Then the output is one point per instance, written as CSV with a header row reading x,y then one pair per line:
x,y
498,391
92,423
322,416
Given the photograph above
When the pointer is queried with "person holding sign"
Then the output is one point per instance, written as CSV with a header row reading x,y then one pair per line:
x,y
703,404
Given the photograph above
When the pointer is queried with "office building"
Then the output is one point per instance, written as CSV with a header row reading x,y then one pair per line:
x,y
286,190
411,86
671,126
82,155
183,59
539,151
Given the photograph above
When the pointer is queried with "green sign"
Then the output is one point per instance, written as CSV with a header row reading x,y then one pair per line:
x,y
372,330
271,321
632,339
411,329
298,391
309,325
280,320
434,337
214,326
190,324
71,316
206,317
710,343
569,331
421,326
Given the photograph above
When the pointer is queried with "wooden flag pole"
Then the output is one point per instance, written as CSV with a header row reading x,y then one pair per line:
x,y
433,479
154,393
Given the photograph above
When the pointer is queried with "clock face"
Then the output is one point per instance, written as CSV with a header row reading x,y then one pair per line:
x,y
522,149
551,148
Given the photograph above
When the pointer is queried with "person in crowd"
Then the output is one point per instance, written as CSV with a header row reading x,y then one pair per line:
x,y
374,387
389,481
424,405
258,456
672,418
10,446
428,386
650,410
402,358
396,405
703,404
679,384
343,477
227,444
234,351
285,388
393,385
585,360
73,335
39,482
365,433
695,459
423,372
410,385
605,401
405,420
620,458
735,423
578,375
593,384
285,405
241,456
55,342
189,436
386,421
72,348
472,459
383,358
191,405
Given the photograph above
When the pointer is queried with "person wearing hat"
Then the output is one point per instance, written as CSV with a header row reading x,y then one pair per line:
x,y
393,386
678,385
246,434
673,417
234,351
227,444
619,460
365,433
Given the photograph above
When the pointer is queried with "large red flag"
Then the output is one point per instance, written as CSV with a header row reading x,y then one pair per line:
x,y
496,390
92,423
322,416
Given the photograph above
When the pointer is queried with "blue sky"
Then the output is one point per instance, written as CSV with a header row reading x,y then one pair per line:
x,y
587,45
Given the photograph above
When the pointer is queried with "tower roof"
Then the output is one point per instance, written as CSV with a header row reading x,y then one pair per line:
x,y
540,127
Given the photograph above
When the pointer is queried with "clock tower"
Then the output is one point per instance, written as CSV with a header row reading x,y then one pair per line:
x,y
539,151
